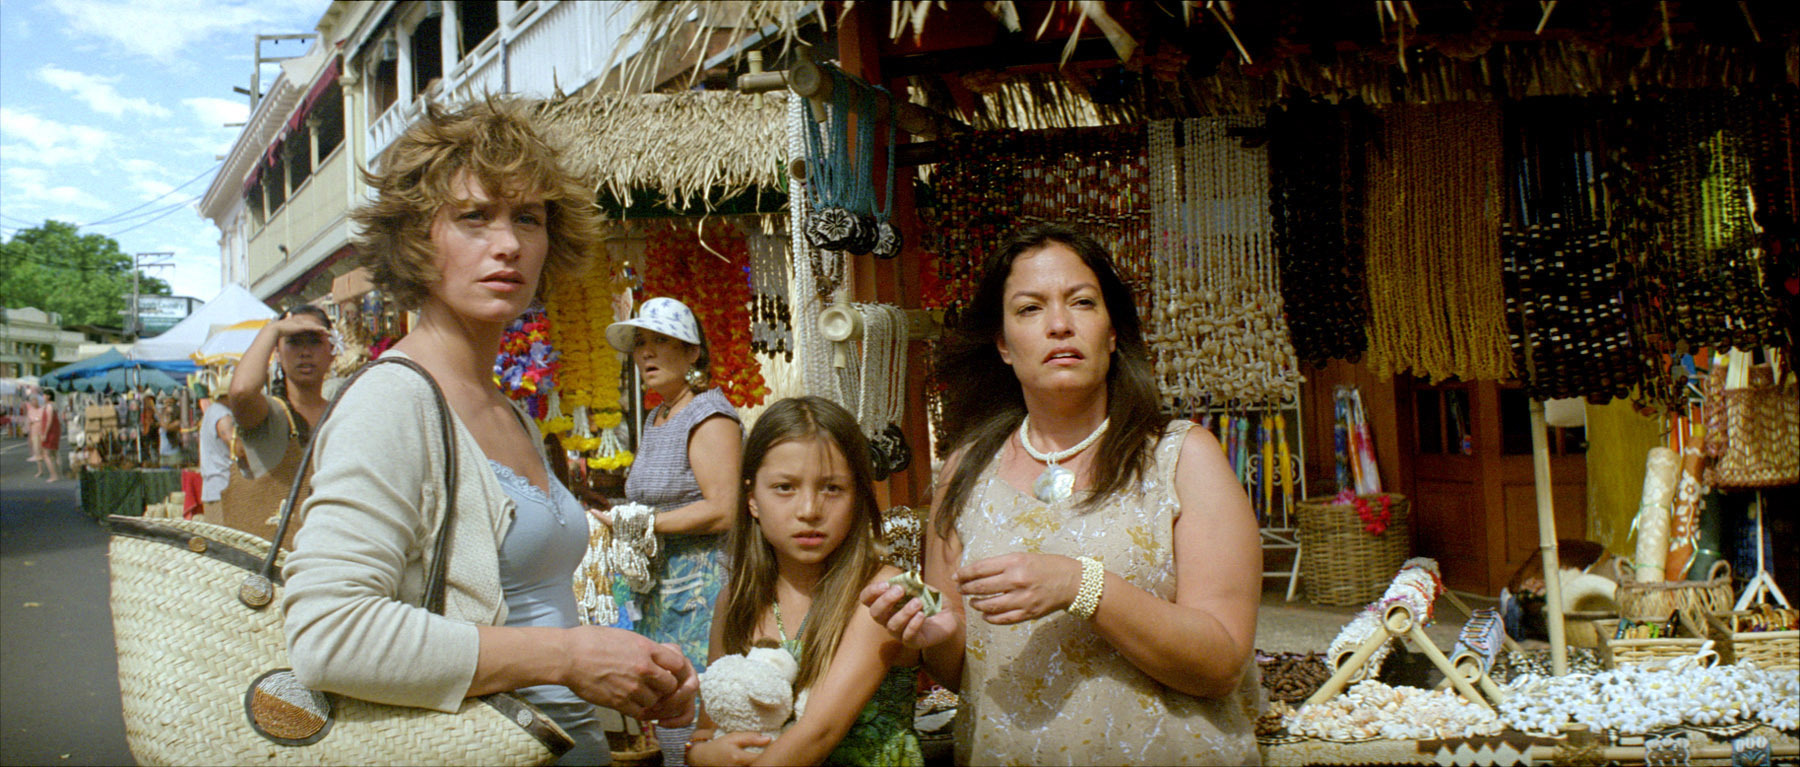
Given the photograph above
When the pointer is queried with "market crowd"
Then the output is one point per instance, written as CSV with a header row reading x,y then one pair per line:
x,y
1090,572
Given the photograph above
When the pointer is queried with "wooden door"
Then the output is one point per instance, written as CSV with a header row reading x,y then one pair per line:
x,y
1474,501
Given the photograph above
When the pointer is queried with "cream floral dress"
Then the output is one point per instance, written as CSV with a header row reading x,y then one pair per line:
x,y
1051,691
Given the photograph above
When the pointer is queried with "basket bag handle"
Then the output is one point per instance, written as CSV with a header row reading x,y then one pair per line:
x,y
258,592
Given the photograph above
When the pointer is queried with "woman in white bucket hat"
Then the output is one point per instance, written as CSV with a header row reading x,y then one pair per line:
x,y
687,469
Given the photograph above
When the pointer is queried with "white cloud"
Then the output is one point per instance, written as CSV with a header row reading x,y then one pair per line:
x,y
150,189
166,29
216,112
33,187
142,167
98,92
48,142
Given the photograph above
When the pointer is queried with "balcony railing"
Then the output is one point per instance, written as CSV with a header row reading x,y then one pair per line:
x,y
547,45
314,209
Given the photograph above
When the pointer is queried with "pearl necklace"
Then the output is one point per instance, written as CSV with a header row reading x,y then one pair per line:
x,y
1056,483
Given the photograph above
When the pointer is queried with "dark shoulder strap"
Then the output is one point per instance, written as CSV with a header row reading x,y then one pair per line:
x,y
434,583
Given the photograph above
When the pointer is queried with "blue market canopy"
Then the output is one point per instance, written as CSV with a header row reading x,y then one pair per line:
x,y
114,372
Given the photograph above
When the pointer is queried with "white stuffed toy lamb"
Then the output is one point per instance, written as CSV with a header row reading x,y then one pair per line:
x,y
753,692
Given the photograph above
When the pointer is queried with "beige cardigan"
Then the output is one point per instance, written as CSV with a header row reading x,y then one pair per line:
x,y
357,571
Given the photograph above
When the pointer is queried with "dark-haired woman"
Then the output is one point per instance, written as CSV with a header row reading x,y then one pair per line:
x,y
1109,553
687,469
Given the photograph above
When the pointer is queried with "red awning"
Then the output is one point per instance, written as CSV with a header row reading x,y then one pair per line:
x,y
319,86
272,154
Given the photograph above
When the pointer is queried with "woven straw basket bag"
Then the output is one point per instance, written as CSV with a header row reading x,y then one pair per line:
x,y
204,675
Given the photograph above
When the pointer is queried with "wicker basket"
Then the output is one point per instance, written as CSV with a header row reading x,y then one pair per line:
x,y
1343,564
1647,652
1655,601
1767,650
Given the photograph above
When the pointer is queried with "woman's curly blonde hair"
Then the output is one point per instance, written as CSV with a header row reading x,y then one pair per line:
x,y
494,141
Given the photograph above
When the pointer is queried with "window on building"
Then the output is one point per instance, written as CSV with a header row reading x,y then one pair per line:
x,y
427,53
276,187
384,75
329,114
296,151
253,202
476,20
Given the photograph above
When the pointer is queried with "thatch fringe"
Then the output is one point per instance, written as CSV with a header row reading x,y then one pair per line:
x,y
690,147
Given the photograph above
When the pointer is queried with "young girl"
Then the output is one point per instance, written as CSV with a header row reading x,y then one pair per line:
x,y
803,546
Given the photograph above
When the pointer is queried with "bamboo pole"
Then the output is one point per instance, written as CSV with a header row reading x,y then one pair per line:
x,y
1546,514
1340,678
1431,650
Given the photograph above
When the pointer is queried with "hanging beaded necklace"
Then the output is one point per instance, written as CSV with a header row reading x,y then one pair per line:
x,y
1218,326
817,273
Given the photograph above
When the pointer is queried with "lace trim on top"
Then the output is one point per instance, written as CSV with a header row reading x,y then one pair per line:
x,y
524,486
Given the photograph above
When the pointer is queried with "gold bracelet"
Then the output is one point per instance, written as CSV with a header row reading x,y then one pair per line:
x,y
1093,581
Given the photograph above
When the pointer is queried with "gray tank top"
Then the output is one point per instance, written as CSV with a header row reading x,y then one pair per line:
x,y
548,537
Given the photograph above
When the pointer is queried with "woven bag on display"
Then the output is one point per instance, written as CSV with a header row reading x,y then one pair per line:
x,y
1762,432
203,670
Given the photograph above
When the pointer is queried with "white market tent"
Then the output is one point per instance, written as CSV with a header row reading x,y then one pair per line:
x,y
234,311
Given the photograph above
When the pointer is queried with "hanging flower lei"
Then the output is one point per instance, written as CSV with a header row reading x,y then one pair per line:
x,y
715,284
579,310
526,368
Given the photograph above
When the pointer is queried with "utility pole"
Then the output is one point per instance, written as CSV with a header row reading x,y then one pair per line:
x,y
255,92
162,260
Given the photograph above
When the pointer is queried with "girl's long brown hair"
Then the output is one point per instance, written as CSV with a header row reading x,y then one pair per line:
x,y
752,586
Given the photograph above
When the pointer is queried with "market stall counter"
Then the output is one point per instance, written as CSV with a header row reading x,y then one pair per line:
x,y
125,492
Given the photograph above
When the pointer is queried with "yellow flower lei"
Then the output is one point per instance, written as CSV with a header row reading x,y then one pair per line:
x,y
580,309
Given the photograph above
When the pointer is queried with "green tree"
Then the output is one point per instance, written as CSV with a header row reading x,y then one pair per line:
x,y
83,277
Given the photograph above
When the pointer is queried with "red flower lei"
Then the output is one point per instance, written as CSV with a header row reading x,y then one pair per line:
x,y
1375,524
715,284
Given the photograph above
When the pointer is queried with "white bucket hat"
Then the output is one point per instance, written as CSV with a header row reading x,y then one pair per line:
x,y
667,316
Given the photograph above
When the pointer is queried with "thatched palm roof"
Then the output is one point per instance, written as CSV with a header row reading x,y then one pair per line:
x,y
692,147
1154,59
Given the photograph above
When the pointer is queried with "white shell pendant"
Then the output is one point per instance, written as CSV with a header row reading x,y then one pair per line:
x,y
1055,484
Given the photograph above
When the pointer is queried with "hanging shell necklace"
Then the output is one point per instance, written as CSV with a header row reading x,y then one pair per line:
x,y
1056,483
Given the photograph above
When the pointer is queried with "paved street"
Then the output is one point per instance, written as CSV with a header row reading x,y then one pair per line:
x,y
59,690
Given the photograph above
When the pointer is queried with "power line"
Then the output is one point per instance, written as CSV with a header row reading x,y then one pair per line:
x,y
165,214
122,214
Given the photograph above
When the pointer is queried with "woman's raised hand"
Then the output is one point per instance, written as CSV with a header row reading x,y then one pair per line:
x,y
904,616
297,323
1018,587
624,671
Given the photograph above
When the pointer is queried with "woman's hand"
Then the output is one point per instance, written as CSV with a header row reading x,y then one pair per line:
x,y
605,517
624,671
298,323
904,616
730,749
1018,587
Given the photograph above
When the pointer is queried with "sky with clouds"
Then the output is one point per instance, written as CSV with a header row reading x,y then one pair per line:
x,y
113,113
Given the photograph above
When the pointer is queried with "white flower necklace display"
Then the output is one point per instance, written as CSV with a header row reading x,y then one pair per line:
x,y
1056,483
1635,700
634,544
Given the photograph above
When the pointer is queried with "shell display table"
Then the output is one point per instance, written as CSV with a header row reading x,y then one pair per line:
x,y
1510,748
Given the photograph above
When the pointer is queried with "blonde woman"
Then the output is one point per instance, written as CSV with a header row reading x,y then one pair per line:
x,y
473,218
